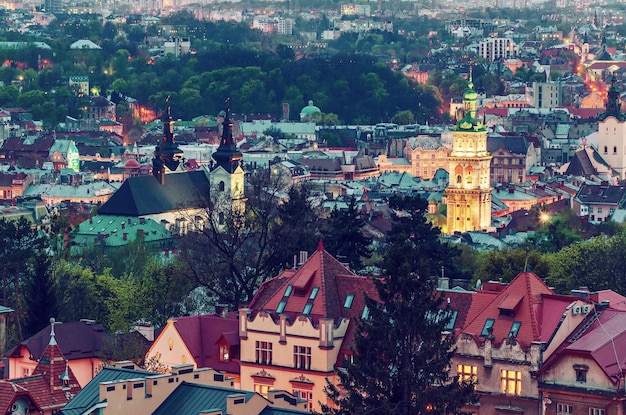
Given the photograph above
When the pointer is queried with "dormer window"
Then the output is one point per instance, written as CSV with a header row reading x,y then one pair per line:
x,y
224,353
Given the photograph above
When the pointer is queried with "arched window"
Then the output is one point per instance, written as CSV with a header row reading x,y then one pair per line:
x,y
459,179
615,150
222,186
606,149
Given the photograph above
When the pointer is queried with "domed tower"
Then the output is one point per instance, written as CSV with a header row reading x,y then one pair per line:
x,y
469,190
310,113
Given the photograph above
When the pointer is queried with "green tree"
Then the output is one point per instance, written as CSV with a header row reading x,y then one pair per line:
x,y
401,360
344,237
40,297
403,118
505,264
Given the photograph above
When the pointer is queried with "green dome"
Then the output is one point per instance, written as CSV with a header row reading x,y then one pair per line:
x,y
470,94
310,109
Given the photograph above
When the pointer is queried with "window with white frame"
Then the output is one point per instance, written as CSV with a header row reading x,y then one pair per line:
x,y
264,352
564,409
302,357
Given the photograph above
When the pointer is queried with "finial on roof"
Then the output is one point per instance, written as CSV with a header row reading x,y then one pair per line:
x,y
320,246
53,341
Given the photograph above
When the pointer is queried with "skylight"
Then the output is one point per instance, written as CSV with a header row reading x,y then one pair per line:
x,y
488,325
515,328
307,309
314,292
349,300
288,291
281,306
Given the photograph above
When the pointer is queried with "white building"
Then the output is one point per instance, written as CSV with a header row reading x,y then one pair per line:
x,y
492,49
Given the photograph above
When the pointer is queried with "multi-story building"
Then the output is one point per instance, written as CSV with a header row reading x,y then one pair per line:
x,y
469,191
598,202
496,48
544,94
426,155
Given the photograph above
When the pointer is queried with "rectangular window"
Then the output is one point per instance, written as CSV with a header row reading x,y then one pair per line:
x,y
314,292
307,309
467,372
564,409
224,353
302,357
305,395
596,411
511,382
281,306
262,389
264,352
288,291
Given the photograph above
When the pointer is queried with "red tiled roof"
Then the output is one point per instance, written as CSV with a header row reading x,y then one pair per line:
x,y
201,334
526,291
600,341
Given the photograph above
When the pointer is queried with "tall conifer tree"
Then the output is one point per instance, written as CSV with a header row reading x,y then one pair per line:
x,y
402,352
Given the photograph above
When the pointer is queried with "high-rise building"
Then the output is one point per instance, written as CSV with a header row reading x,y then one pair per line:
x,y
469,191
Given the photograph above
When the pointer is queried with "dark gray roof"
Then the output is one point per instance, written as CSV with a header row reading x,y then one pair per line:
x,y
90,394
589,194
514,144
192,399
144,195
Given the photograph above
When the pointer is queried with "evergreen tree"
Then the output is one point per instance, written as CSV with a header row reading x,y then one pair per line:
x,y
344,237
40,296
401,362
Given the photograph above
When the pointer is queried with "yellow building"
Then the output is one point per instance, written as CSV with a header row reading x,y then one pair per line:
x,y
469,191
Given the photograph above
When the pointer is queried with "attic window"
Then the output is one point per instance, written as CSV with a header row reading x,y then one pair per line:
x,y
288,291
281,306
581,372
314,293
307,309
515,328
349,300
486,328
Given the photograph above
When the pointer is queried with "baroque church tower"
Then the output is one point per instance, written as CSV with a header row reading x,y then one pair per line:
x,y
469,190
167,155
226,176
612,132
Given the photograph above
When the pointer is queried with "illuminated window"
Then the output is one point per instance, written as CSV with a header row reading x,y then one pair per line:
x,y
302,357
511,382
262,389
564,409
467,372
264,352
224,353
306,395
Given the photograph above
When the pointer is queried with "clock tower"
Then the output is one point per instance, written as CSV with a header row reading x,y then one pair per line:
x,y
469,190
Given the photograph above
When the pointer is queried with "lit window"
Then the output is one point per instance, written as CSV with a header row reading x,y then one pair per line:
x,y
264,352
224,353
564,409
262,389
515,328
467,372
302,357
488,325
511,382
281,306
596,411
314,292
307,309
349,300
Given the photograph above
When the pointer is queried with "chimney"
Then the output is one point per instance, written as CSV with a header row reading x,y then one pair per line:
x,y
140,233
123,225
125,236
443,283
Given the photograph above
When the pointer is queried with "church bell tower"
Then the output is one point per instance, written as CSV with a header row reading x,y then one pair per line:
x,y
469,190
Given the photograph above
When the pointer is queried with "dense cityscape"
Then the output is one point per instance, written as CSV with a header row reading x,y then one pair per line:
x,y
384,207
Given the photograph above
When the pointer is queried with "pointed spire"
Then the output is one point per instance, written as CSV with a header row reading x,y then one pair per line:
x,y
53,340
227,155
320,246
